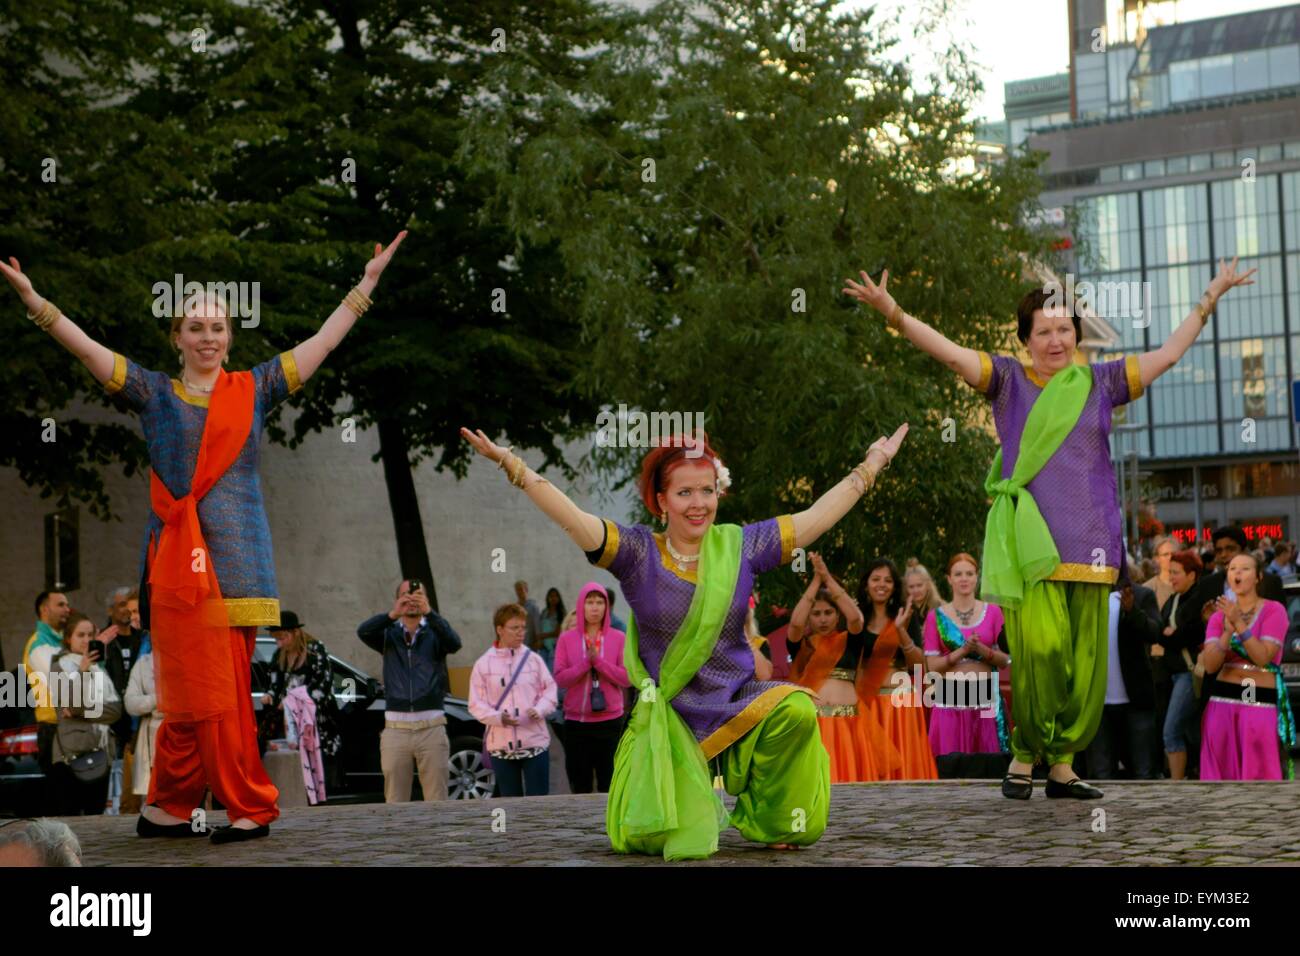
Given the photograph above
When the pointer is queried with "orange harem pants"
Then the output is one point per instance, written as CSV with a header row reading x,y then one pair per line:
x,y
190,757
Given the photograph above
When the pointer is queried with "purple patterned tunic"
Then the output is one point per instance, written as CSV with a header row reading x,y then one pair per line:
x,y
723,701
1076,490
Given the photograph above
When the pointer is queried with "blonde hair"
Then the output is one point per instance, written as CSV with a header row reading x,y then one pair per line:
x,y
915,567
295,650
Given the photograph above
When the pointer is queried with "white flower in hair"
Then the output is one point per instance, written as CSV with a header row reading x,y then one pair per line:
x,y
724,476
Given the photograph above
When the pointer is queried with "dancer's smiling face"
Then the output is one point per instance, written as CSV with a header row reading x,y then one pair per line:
x,y
1052,340
962,578
202,335
690,502
823,617
880,586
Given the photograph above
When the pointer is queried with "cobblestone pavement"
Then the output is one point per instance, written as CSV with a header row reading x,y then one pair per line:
x,y
888,824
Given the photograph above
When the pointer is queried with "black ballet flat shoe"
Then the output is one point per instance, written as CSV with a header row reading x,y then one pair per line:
x,y
239,834
144,827
1076,788
1018,786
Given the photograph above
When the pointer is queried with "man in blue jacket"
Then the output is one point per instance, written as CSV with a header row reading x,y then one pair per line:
x,y
415,641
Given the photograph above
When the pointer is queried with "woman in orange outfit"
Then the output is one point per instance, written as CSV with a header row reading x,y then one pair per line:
x,y
894,663
207,549
825,636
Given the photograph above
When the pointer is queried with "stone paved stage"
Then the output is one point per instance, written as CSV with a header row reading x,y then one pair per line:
x,y
898,824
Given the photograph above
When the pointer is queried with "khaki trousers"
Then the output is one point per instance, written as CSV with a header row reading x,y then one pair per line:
x,y
424,750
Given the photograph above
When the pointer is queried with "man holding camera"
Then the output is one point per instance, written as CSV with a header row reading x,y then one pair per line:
x,y
415,641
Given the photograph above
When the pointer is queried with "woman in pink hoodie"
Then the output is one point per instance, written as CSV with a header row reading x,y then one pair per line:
x,y
511,692
589,665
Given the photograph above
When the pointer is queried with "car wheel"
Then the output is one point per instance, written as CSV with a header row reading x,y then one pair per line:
x,y
468,778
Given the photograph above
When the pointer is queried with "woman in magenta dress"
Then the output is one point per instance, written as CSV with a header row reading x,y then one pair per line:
x,y
962,647
1248,728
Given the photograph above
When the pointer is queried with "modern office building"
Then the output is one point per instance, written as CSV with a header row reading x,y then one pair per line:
x,y
1184,147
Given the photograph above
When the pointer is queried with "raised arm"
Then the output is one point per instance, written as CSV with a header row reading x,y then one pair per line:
x,y
962,360
96,358
854,621
811,523
585,530
1155,363
309,355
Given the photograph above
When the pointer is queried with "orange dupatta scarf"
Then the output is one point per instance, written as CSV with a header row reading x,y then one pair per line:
x,y
812,666
189,624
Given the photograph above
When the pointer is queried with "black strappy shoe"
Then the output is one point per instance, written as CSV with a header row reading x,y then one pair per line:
x,y
1018,786
1076,788
144,827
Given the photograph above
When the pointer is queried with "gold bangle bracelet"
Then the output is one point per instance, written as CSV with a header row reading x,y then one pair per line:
x,y
45,316
895,319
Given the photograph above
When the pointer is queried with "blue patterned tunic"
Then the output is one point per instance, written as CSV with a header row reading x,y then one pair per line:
x,y
231,515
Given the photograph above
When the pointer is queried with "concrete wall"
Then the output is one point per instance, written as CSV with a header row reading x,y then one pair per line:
x,y
336,562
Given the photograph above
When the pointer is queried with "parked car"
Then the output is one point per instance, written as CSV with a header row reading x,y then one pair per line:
x,y
360,701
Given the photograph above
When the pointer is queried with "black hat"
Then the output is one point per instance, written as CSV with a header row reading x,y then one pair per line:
x,y
288,621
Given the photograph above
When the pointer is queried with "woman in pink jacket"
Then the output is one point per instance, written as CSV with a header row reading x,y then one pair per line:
x,y
589,665
511,692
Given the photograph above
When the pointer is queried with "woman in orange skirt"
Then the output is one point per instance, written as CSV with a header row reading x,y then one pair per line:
x,y
894,666
826,628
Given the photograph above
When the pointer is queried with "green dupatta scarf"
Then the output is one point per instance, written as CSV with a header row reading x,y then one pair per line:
x,y
661,797
1018,546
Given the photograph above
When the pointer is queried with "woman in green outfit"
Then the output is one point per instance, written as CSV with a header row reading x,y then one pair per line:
x,y
687,655
1052,544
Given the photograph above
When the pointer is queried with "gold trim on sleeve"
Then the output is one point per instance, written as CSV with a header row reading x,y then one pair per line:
x,y
611,545
986,373
786,524
118,379
1032,375
747,719
290,371
1134,374
1084,573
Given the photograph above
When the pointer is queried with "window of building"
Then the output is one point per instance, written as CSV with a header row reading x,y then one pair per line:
x,y
1271,153
1108,232
1198,162
1132,171
1245,216
1176,165
1110,174
1250,71
1291,150
1176,225
1284,66
1184,81
1153,168
1216,76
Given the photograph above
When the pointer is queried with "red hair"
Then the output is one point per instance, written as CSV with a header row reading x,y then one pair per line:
x,y
962,556
661,460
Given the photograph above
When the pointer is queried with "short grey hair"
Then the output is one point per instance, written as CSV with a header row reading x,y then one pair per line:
x,y
54,842
118,594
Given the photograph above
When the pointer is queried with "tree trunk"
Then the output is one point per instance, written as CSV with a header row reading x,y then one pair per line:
x,y
412,555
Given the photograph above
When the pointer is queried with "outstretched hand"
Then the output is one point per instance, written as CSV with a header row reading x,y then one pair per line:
x,y
483,445
876,296
1228,278
22,285
889,446
376,266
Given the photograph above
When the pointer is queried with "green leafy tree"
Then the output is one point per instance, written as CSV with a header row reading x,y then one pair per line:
x,y
720,171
